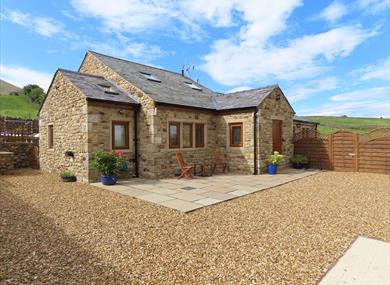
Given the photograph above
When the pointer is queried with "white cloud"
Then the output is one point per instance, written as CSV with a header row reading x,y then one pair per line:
x,y
119,45
231,63
370,102
298,92
21,76
364,94
44,26
333,12
368,108
124,15
373,6
380,70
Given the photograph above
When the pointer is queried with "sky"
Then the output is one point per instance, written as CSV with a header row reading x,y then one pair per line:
x,y
328,57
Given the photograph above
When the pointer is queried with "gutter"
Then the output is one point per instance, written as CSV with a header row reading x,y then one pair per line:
x,y
255,166
136,163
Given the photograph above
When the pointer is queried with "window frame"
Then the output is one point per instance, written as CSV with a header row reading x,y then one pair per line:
x,y
178,134
127,133
50,136
191,135
235,125
203,136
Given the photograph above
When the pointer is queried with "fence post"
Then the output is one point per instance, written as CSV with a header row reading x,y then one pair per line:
x,y
356,151
330,151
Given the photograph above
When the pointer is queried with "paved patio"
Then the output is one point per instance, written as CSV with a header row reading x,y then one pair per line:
x,y
367,261
187,195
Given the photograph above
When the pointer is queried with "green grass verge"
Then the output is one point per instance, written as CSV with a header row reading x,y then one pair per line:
x,y
360,125
17,107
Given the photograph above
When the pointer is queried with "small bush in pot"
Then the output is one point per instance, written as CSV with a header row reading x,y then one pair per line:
x,y
67,176
299,161
106,163
274,160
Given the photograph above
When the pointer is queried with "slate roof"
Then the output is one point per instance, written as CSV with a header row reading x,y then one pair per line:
x,y
169,87
243,99
98,87
172,89
303,119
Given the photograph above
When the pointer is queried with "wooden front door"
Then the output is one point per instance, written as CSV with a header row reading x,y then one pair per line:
x,y
277,136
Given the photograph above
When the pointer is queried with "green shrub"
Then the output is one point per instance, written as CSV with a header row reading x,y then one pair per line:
x,y
67,174
105,162
299,159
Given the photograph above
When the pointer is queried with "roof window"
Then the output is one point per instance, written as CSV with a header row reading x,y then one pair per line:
x,y
150,77
193,86
108,89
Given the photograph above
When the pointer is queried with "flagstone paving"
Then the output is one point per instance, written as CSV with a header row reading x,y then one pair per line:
x,y
188,195
367,261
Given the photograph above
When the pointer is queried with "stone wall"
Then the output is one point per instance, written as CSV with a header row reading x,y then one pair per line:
x,y
146,123
99,133
240,159
7,161
165,158
157,160
273,109
66,109
23,152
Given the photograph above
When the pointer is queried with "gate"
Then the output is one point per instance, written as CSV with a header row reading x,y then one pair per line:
x,y
347,151
344,151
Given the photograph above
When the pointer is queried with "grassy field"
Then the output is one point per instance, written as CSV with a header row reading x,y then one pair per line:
x,y
17,107
361,125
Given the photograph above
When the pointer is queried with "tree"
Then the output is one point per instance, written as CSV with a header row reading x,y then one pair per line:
x,y
34,93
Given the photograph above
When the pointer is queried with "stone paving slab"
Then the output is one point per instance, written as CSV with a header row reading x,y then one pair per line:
x,y
367,261
187,195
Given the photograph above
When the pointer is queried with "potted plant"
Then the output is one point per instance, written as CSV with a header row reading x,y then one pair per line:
x,y
299,161
121,161
106,163
67,176
274,160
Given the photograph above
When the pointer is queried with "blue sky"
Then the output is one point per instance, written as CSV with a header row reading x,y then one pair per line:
x,y
329,57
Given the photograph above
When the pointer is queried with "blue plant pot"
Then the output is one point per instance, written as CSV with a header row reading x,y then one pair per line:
x,y
108,180
272,169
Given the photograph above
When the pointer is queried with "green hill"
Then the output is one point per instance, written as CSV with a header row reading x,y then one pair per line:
x,y
354,124
7,88
17,107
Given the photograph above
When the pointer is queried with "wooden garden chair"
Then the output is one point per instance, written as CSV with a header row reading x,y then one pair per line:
x,y
184,167
219,160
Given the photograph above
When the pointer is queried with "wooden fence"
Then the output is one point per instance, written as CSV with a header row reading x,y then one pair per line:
x,y
18,130
347,151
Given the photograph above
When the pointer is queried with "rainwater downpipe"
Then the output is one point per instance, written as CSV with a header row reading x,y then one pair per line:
x,y
136,111
255,166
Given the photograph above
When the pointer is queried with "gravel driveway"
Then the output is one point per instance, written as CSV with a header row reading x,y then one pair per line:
x,y
57,233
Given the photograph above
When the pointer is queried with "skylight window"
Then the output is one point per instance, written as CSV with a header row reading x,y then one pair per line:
x,y
150,77
108,89
193,86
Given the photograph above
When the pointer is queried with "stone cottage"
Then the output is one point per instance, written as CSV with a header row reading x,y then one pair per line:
x,y
151,114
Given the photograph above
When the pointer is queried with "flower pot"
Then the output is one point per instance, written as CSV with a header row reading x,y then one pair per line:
x,y
305,165
272,169
108,180
297,165
68,179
